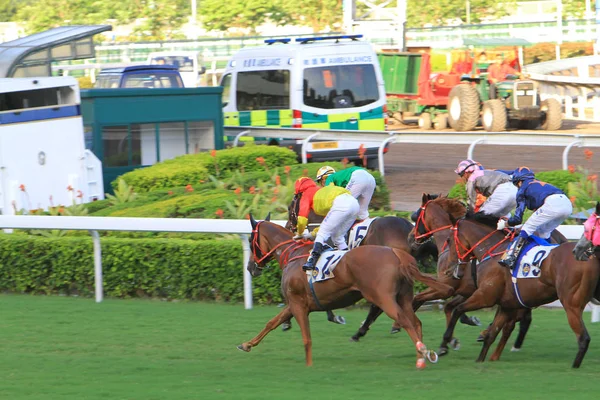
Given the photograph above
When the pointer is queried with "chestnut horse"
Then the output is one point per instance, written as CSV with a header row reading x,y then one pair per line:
x,y
388,231
382,275
562,277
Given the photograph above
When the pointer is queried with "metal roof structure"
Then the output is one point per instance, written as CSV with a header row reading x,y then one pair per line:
x,y
496,42
33,55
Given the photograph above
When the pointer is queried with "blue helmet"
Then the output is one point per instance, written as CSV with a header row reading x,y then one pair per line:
x,y
522,174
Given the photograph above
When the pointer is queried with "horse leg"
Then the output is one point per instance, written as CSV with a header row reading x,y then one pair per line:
x,y
374,313
284,315
523,328
501,318
476,302
448,309
507,329
574,315
301,314
336,319
286,325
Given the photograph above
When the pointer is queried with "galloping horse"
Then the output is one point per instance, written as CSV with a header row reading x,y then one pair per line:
x,y
387,231
562,277
386,282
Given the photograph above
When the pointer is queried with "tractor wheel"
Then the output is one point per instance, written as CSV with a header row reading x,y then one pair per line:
x,y
552,121
425,121
493,117
440,122
463,107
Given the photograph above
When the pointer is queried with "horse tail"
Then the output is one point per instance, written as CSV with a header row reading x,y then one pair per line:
x,y
415,274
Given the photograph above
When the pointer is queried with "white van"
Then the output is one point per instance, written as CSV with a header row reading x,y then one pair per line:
x,y
190,64
331,82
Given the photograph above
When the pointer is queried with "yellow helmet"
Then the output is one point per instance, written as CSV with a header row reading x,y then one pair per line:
x,y
324,171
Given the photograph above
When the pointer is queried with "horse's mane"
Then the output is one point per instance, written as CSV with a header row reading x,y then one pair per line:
x,y
455,208
485,219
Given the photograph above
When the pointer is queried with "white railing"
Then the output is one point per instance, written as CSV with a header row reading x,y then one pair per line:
x,y
533,138
224,226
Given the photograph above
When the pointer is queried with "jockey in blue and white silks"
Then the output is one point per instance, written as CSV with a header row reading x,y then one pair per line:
x,y
551,208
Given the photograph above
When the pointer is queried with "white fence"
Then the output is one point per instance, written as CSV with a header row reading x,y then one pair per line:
x,y
226,226
533,138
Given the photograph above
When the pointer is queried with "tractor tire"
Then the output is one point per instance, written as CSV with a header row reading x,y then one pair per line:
x,y
553,119
425,121
493,117
440,122
463,107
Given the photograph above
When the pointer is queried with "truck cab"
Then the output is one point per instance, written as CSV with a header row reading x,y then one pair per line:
x,y
140,76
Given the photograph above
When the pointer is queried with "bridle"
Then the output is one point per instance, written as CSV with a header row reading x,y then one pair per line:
x,y
469,252
428,233
293,211
261,258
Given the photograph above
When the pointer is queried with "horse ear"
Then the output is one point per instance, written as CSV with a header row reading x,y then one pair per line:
x,y
253,222
425,198
268,217
598,208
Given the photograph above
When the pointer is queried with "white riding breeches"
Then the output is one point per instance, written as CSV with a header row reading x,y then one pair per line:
x,y
338,221
502,200
556,208
361,186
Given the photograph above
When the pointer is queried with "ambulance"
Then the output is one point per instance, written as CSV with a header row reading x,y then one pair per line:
x,y
331,82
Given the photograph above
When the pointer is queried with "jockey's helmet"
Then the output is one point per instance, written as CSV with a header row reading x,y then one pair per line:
x,y
304,183
522,174
467,166
324,171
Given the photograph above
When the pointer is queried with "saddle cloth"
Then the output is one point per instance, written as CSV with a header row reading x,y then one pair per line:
x,y
326,264
358,232
535,252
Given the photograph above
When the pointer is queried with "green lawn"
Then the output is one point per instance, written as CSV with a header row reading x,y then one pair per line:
x,y
72,348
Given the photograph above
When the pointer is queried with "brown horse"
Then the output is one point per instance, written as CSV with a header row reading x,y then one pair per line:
x,y
388,283
385,231
585,247
562,277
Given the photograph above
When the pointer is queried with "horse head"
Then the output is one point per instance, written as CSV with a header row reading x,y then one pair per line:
x,y
292,221
436,213
590,240
258,259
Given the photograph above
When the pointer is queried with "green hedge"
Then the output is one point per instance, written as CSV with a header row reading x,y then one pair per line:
x,y
172,269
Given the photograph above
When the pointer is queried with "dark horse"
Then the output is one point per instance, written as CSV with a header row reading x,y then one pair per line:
x,y
562,277
586,246
385,231
382,275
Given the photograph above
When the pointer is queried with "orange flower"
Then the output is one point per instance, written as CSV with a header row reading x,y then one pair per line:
x,y
572,169
247,216
276,191
79,194
189,188
273,199
278,180
70,188
361,151
345,162
170,192
237,191
305,172
252,190
592,178
287,169
219,213
588,154
201,181
573,198
260,160
61,209
213,153
22,187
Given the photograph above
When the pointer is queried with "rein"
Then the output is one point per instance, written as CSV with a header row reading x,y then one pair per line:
x,y
428,232
489,252
285,254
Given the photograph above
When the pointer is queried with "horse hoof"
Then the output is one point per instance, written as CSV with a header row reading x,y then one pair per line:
x,y
421,348
338,319
476,321
243,348
421,364
481,338
455,344
514,349
395,330
286,327
442,351
354,339
432,357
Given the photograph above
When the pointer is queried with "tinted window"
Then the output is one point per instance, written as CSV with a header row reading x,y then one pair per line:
x,y
183,63
263,90
152,80
108,81
226,85
340,86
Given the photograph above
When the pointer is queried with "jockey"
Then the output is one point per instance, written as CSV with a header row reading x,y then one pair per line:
x,y
336,204
357,180
551,208
495,185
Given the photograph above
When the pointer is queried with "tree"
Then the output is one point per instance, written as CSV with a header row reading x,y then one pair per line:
x,y
441,12
162,18
244,14
318,14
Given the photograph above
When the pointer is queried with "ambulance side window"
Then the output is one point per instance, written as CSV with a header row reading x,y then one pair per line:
x,y
263,90
226,84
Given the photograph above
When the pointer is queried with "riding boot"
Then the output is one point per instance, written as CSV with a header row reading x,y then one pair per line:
x,y
314,256
512,253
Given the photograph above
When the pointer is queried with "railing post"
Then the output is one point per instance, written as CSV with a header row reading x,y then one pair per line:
x,y
97,266
380,152
238,136
472,148
304,144
565,155
247,276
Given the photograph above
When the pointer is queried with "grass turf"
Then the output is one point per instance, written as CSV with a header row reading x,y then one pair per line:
x,y
72,348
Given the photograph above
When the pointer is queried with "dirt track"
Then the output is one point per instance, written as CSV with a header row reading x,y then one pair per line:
x,y
415,168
